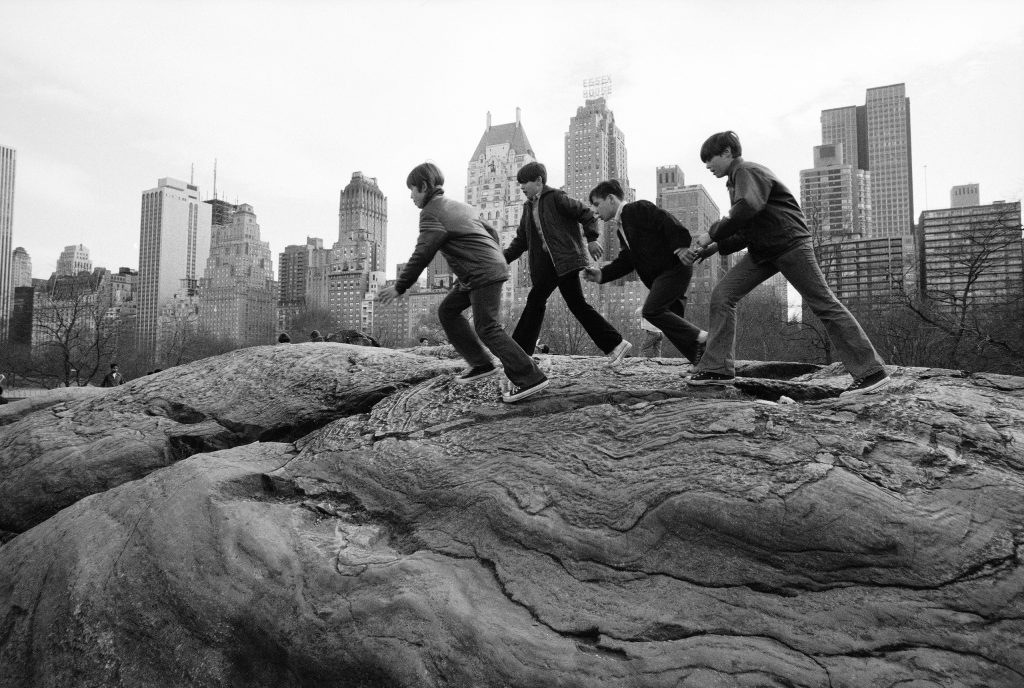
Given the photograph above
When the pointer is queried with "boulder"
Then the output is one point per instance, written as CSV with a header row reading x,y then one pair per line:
x,y
619,529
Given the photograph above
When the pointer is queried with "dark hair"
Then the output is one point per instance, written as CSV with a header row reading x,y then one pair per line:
x,y
283,337
530,171
717,143
609,187
113,365
426,174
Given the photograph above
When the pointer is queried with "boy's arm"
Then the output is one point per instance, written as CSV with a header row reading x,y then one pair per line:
x,y
751,192
518,245
432,237
621,266
575,210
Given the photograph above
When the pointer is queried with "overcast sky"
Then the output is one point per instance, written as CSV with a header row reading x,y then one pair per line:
x,y
101,99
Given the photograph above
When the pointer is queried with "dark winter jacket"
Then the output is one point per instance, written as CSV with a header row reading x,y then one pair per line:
x,y
560,219
764,213
469,244
648,238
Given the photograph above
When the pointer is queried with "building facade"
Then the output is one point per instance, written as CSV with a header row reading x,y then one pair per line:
x,y
8,159
492,187
964,195
21,268
302,272
595,150
876,137
835,196
972,255
174,244
73,260
238,293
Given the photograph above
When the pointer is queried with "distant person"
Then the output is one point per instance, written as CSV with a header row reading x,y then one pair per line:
x,y
283,338
549,233
651,346
652,242
473,252
424,341
769,222
113,378
315,336
2,399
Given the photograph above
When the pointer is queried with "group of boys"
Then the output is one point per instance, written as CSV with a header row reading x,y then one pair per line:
x,y
764,218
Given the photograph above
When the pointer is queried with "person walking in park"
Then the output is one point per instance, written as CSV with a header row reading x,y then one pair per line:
x,y
549,233
114,378
473,252
767,219
654,244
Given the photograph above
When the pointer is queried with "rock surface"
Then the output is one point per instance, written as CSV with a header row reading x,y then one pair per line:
x,y
619,529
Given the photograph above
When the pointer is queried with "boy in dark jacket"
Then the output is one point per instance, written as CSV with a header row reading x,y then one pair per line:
x,y
472,250
550,231
654,244
768,220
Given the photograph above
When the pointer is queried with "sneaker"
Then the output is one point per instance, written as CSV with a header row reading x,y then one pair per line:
x,y
706,378
515,393
699,353
617,354
476,373
868,384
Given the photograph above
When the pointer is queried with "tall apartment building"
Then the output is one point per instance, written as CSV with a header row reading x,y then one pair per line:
x,y
8,158
357,260
174,244
835,196
302,280
595,150
876,137
21,268
973,255
870,273
964,195
73,260
493,189
238,294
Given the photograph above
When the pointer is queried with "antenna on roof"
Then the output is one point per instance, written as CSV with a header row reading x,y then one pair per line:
x,y
215,179
192,175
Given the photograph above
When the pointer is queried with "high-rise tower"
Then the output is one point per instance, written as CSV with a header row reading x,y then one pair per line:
x,y
835,196
174,243
73,260
21,267
238,294
7,164
357,260
876,137
595,150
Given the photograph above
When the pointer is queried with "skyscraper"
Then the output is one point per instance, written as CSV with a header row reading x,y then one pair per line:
x,y
876,137
21,267
835,196
595,150
7,165
174,243
357,260
302,278
493,189
238,294
73,260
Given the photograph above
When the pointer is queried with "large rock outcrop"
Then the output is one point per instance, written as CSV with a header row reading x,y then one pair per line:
x,y
620,529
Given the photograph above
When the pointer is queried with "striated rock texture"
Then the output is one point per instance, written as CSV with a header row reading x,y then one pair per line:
x,y
619,529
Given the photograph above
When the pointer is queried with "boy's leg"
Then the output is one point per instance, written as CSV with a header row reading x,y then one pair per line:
x,y
519,366
602,332
663,305
531,319
800,268
458,330
720,356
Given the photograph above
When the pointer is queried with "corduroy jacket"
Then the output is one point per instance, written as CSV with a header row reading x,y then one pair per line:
x,y
469,244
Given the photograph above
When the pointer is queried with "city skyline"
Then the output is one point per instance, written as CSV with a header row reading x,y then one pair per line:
x,y
311,94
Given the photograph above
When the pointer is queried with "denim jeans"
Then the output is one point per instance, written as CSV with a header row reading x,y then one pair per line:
x,y
469,341
666,305
800,268
545,280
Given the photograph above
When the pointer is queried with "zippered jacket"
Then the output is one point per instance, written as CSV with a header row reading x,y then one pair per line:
x,y
561,218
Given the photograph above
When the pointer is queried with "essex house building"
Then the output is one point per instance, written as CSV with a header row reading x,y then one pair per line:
x,y
174,244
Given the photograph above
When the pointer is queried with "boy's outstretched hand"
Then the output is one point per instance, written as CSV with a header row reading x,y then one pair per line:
x,y
387,295
592,274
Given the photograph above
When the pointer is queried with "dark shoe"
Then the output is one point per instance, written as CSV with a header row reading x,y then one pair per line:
x,y
868,384
476,373
708,378
515,394
620,350
699,353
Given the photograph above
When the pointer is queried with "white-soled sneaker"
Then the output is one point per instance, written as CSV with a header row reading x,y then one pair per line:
x,y
619,352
